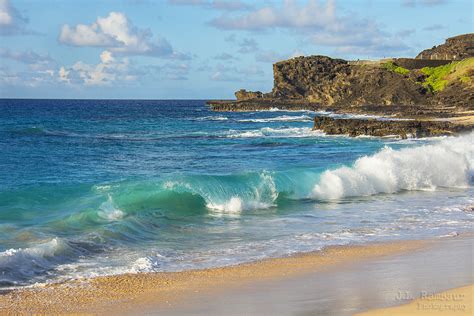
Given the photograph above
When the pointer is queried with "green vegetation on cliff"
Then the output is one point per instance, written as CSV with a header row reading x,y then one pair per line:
x,y
390,65
439,77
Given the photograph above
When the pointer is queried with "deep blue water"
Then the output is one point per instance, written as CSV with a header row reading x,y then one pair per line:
x,y
90,187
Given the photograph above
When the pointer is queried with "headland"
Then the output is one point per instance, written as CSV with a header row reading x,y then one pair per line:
x,y
433,93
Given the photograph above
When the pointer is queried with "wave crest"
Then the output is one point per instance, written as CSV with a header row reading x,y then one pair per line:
x,y
447,164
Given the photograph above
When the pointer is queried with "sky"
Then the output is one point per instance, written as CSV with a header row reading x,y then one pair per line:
x,y
201,49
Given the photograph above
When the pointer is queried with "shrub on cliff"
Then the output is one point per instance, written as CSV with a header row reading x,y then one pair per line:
x,y
393,67
438,77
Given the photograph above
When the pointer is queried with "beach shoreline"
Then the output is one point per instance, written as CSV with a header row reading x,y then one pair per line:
x,y
131,293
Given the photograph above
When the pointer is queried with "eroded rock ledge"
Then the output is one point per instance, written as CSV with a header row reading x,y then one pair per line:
x,y
374,127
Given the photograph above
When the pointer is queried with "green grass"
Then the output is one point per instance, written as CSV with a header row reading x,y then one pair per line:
x,y
439,77
435,80
393,67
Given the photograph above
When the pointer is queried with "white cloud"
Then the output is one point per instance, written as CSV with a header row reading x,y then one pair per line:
x,y
34,60
63,74
109,71
319,23
106,57
224,5
289,15
12,22
116,33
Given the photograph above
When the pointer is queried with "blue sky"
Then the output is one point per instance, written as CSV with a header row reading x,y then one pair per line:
x,y
200,48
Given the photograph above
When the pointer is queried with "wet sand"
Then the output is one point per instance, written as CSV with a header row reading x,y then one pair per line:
x,y
328,281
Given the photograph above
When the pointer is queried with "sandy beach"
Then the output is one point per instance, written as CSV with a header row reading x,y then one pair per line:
x,y
213,291
456,301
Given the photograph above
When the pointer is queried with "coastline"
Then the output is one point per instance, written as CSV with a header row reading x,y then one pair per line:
x,y
129,293
402,121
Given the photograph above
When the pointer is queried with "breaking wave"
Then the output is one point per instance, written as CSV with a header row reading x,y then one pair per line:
x,y
130,212
448,163
283,118
275,132
211,118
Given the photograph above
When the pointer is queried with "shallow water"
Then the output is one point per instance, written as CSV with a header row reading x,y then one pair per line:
x,y
98,187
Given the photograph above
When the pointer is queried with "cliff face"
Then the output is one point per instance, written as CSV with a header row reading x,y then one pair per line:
x,y
327,81
455,48
436,91
408,85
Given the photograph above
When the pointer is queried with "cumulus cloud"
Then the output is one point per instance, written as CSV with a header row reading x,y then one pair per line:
x,y
224,5
321,23
108,71
289,15
116,33
12,22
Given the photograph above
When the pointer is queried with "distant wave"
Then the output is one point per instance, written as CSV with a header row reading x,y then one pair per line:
x,y
275,132
283,118
449,163
211,118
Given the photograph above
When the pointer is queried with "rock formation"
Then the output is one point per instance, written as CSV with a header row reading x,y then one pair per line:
x,y
402,87
374,127
327,81
455,48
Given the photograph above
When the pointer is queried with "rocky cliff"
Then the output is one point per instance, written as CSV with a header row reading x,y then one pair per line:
x,y
425,89
327,81
455,48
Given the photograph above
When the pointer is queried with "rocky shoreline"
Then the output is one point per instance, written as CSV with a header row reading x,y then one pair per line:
x,y
436,95
374,127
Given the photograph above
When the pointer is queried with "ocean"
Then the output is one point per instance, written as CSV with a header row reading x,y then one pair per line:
x,y
101,187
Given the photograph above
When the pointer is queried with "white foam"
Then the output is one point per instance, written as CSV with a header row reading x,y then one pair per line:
x,y
448,163
144,264
262,196
289,132
25,262
360,116
283,118
109,211
212,118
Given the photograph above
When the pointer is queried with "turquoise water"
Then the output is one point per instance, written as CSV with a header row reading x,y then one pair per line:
x,y
98,187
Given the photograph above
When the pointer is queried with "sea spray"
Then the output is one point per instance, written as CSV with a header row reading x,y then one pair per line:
x,y
446,164
109,211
